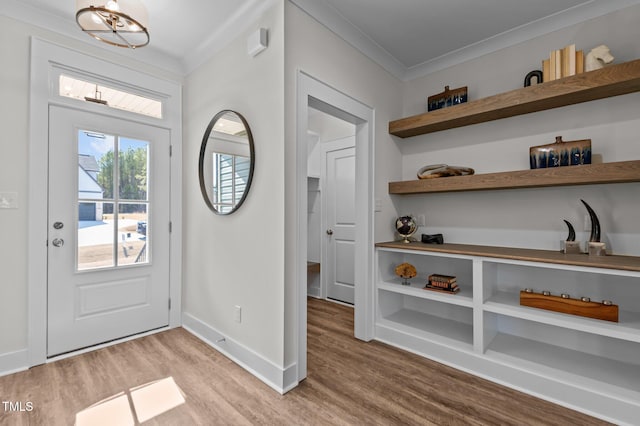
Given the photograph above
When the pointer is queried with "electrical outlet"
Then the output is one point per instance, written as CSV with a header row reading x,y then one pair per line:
x,y
237,314
8,200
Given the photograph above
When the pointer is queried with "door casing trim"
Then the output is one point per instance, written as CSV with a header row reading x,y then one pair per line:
x,y
312,92
44,57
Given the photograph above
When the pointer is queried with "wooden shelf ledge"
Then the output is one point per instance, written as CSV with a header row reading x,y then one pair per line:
x,y
588,174
603,83
626,263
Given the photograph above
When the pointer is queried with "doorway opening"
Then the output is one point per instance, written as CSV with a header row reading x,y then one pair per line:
x,y
331,207
313,95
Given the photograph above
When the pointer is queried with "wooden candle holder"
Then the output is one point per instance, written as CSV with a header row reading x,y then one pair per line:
x,y
566,305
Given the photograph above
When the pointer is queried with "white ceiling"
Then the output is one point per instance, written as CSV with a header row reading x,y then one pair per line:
x,y
407,37
414,31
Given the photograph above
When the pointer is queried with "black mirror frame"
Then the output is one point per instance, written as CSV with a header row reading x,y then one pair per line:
x,y
203,150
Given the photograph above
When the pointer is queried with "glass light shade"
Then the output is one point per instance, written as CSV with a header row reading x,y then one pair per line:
x,y
121,24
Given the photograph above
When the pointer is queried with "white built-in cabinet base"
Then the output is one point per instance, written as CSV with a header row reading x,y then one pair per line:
x,y
589,365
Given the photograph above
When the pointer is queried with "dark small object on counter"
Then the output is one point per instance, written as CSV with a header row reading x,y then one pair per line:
x,y
535,73
447,98
432,239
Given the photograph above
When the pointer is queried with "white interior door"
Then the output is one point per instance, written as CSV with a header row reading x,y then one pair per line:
x,y
108,238
340,207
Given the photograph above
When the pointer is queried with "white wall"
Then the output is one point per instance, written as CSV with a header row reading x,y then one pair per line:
x,y
530,218
312,48
238,259
14,116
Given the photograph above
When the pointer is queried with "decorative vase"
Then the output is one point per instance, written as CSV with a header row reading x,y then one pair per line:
x,y
560,153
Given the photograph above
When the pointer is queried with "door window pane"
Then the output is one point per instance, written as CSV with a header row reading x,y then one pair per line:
x,y
95,165
132,233
95,235
133,166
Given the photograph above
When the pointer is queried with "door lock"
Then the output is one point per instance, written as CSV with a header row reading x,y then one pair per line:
x,y
329,231
58,225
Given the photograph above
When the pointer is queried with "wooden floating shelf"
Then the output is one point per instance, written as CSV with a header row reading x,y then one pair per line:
x,y
625,263
588,174
610,81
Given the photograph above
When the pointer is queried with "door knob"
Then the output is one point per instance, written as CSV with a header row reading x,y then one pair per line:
x,y
57,242
58,225
329,231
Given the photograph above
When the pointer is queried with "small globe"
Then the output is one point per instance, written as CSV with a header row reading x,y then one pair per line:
x,y
406,226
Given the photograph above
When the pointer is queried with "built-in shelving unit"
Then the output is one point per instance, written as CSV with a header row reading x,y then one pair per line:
x,y
588,174
603,83
581,362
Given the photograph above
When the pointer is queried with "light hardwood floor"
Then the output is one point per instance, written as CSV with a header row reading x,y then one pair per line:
x,y
349,383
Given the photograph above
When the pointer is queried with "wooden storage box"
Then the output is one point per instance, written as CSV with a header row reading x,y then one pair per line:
x,y
579,307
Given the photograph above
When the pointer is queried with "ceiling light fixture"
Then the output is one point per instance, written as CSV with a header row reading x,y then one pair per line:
x,y
121,23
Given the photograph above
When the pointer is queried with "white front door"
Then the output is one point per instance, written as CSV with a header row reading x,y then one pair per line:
x,y
108,230
340,204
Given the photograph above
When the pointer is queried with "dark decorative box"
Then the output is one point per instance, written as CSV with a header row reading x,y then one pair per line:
x,y
560,153
447,98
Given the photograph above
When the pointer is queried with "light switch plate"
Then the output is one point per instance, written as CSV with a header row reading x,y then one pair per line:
x,y
8,200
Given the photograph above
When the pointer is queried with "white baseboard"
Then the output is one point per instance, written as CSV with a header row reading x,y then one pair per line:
x,y
13,362
280,379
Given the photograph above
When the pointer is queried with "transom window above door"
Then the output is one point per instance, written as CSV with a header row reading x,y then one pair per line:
x,y
86,91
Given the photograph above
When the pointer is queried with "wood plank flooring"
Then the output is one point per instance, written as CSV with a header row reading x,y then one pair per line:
x,y
349,383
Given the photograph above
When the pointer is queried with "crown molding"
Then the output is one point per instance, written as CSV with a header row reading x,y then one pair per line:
x,y
335,22
328,16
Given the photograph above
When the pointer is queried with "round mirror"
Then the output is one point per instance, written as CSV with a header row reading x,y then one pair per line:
x,y
226,162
